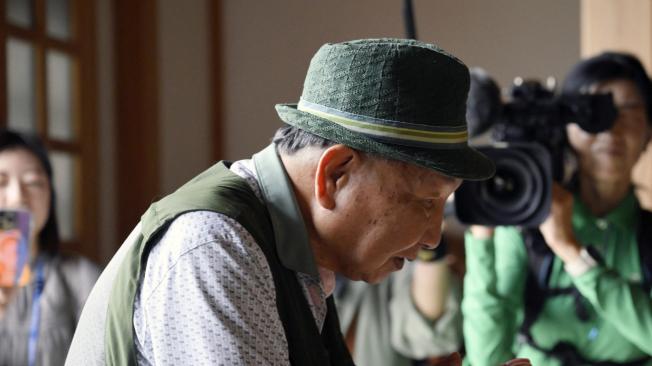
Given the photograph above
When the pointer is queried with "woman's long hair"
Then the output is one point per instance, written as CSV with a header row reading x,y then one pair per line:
x,y
9,140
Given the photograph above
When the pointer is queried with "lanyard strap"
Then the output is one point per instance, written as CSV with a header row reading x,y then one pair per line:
x,y
36,314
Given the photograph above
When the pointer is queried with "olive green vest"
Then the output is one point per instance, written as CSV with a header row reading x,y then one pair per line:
x,y
220,190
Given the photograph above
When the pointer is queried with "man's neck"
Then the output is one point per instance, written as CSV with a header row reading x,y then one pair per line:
x,y
327,278
300,171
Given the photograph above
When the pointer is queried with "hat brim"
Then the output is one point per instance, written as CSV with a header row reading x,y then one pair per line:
x,y
465,163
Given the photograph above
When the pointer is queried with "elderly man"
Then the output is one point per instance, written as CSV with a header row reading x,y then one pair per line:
x,y
238,265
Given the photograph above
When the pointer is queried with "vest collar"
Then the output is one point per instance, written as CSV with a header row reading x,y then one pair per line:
x,y
292,243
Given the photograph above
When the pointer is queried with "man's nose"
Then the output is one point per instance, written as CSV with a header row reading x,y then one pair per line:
x,y
432,235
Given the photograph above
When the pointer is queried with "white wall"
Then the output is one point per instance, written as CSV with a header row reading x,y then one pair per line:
x,y
184,88
267,46
184,109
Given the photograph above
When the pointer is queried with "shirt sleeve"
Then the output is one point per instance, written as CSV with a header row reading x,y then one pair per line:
x,y
493,296
415,336
208,298
624,304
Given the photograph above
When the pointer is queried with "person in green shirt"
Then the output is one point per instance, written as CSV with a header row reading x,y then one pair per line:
x,y
601,212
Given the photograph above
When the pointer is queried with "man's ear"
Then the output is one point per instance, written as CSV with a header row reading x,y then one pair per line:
x,y
333,170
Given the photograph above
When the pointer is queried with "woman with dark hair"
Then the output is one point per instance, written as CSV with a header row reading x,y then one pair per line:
x,y
37,321
591,303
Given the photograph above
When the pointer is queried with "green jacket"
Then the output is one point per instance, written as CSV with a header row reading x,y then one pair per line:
x,y
218,190
620,324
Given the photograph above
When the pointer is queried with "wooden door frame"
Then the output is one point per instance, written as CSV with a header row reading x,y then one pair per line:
x,y
87,126
136,106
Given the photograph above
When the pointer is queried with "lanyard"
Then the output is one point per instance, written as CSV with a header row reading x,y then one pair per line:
x,y
36,314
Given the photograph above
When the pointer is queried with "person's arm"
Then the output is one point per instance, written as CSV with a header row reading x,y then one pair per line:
x,y
420,333
626,305
493,294
436,270
431,284
430,287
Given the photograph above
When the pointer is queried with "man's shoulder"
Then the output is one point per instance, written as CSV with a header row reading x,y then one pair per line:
x,y
194,229
198,237
203,247
204,272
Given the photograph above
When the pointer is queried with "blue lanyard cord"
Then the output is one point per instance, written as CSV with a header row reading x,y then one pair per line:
x,y
36,314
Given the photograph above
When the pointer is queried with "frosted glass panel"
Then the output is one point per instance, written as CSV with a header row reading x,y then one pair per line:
x,y
20,86
58,19
60,123
63,165
20,12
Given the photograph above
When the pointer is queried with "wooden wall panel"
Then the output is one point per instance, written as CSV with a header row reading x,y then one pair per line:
x,y
136,100
622,25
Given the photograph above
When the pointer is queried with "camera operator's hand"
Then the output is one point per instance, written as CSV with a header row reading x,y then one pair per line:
x,y
557,229
482,232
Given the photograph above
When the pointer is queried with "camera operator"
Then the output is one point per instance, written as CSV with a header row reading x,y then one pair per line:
x,y
596,308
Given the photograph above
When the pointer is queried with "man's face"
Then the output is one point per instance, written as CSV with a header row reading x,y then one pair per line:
x,y
384,213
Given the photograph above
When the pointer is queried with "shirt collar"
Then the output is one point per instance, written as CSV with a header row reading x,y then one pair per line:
x,y
292,243
623,216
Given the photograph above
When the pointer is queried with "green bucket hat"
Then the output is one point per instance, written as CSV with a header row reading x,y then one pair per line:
x,y
401,99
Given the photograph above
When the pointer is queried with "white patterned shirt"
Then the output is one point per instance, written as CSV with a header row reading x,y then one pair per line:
x,y
207,296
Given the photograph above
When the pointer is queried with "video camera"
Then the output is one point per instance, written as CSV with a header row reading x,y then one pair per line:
x,y
529,147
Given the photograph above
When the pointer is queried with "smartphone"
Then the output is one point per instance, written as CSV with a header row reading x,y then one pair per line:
x,y
14,247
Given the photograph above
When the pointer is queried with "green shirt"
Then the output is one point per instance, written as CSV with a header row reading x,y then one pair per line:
x,y
620,324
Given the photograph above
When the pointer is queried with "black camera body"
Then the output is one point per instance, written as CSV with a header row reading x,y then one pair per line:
x,y
529,148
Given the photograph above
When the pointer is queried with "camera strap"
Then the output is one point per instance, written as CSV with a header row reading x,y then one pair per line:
x,y
32,346
540,260
644,237
567,354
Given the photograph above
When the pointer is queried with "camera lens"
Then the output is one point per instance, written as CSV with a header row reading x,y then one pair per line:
x,y
506,185
515,191
518,194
